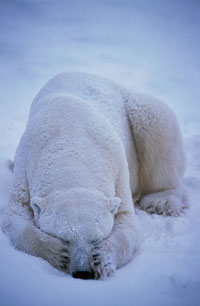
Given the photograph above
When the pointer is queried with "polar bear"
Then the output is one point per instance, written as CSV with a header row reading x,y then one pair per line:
x,y
90,150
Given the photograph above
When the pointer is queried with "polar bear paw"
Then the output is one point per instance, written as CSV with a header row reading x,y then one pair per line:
x,y
101,261
56,252
167,203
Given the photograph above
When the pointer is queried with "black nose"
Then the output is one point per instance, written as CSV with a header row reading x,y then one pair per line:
x,y
83,275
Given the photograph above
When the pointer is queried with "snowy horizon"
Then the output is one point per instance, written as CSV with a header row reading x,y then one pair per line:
x,y
150,46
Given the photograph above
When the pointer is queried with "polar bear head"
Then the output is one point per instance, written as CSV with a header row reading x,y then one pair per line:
x,y
80,217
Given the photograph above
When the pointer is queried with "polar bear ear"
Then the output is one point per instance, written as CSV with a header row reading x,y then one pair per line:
x,y
114,205
37,204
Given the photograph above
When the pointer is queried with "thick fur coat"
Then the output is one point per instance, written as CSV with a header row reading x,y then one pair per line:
x,y
90,149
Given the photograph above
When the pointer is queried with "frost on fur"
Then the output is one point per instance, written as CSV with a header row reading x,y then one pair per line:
x,y
89,145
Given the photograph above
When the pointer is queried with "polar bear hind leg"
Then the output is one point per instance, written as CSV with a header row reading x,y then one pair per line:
x,y
160,154
170,202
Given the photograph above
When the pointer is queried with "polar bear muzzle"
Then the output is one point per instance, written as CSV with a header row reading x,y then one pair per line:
x,y
83,275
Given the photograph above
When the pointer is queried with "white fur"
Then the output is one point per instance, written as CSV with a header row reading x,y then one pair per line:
x,y
90,145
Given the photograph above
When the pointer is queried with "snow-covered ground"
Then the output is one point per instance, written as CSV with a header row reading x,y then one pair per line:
x,y
152,46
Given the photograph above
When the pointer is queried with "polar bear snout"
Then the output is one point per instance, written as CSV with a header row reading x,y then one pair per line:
x,y
83,274
79,267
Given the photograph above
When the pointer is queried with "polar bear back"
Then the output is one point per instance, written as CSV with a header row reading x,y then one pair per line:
x,y
105,98
103,94
69,136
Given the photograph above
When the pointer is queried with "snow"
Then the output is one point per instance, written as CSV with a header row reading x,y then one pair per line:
x,y
151,46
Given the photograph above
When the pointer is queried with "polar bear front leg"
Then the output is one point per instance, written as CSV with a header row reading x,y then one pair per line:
x,y
25,236
115,251
120,246
50,248
18,225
